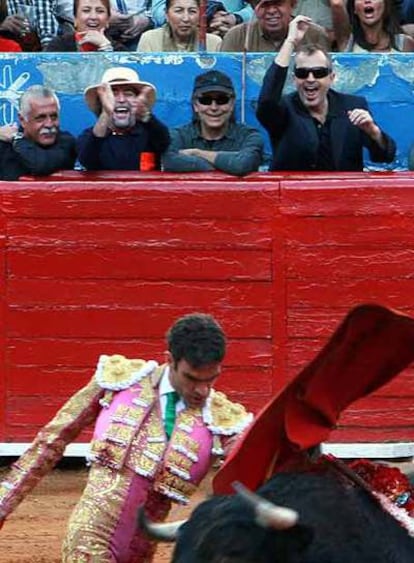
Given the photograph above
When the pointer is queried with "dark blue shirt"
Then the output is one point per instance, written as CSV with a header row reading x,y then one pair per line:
x,y
123,152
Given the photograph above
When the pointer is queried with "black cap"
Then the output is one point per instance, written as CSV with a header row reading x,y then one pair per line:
x,y
213,81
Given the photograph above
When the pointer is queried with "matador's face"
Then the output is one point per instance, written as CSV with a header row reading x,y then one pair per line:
x,y
193,384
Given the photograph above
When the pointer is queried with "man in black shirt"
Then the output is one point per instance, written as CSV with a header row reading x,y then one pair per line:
x,y
126,132
316,128
38,148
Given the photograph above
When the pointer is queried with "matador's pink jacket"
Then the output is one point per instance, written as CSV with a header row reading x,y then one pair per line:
x,y
129,438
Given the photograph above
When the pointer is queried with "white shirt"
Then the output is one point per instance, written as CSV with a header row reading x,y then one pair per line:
x,y
164,388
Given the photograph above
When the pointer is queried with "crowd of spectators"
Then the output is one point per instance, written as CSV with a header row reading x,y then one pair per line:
x,y
228,25
127,131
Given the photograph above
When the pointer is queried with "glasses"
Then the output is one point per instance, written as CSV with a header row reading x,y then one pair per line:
x,y
317,71
208,100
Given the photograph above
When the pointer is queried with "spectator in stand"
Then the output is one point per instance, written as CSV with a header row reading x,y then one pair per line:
x,y
407,13
11,28
64,12
269,30
91,23
316,128
38,148
126,131
319,11
180,33
372,27
129,19
39,15
213,140
223,15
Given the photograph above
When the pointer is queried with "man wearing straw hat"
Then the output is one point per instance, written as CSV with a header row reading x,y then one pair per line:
x,y
126,130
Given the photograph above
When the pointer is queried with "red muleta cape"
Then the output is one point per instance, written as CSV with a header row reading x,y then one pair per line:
x,y
370,347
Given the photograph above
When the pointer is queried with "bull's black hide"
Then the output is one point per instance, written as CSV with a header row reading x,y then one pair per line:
x,y
338,523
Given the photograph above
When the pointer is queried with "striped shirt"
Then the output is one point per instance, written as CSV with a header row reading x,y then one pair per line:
x,y
41,14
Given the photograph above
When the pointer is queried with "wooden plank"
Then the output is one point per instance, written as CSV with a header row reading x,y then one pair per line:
x,y
336,263
141,233
124,293
61,381
127,323
79,353
348,196
149,200
395,292
143,264
321,323
389,230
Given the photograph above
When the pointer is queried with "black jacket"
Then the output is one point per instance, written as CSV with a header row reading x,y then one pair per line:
x,y
24,156
293,134
122,152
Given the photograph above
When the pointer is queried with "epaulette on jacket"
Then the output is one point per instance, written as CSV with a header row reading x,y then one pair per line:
x,y
222,416
116,372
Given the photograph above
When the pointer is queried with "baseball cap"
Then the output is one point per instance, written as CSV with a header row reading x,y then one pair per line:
x,y
213,81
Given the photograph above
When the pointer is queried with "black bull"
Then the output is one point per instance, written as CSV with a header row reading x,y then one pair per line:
x,y
335,520
338,522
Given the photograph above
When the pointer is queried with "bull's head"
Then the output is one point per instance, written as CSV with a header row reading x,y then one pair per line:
x,y
267,515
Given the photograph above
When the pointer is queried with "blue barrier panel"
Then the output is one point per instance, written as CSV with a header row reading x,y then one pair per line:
x,y
385,80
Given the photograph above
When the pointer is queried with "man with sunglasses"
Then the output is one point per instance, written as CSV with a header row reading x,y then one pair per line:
x,y
213,140
316,128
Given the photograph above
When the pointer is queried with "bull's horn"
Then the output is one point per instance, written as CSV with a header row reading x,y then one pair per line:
x,y
268,515
166,532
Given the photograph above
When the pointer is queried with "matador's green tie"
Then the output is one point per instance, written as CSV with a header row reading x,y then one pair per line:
x,y
172,399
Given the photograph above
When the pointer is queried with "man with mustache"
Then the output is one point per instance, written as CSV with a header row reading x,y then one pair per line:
x,y
316,128
38,148
126,131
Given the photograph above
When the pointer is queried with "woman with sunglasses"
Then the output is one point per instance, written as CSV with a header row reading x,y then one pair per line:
x,y
213,140
316,128
180,33
369,26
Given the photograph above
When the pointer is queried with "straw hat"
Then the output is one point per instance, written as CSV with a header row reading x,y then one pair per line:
x,y
116,76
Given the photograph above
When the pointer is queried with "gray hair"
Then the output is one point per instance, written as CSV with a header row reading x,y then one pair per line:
x,y
35,92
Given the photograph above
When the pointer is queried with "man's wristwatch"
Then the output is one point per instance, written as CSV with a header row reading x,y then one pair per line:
x,y
17,136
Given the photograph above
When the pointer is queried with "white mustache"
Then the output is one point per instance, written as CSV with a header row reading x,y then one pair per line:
x,y
48,130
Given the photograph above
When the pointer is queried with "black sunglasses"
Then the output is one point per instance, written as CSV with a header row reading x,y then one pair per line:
x,y
220,100
317,71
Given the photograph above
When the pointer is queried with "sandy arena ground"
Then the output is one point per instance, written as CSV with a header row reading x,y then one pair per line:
x,y
34,532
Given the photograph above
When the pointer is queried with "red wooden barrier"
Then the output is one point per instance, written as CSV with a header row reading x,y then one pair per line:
x,y
95,264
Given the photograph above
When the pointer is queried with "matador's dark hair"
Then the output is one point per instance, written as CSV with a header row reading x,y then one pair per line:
x,y
197,338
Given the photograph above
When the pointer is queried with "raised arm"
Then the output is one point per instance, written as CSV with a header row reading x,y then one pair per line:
x,y
341,23
270,110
